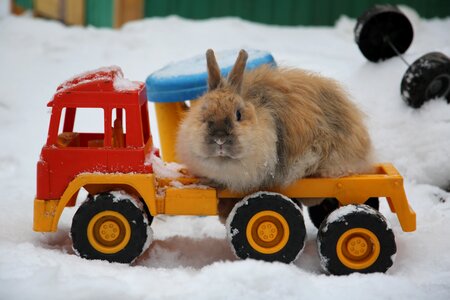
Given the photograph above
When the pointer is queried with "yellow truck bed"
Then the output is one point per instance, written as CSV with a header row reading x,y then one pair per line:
x,y
188,198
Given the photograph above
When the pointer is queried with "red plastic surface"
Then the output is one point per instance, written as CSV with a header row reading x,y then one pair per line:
x,y
67,154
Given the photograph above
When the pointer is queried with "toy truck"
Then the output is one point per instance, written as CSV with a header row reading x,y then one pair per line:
x,y
125,194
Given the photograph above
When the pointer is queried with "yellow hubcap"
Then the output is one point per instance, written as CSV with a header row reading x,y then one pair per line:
x,y
267,232
358,248
109,232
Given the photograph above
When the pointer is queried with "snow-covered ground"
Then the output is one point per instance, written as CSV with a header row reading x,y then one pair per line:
x,y
190,257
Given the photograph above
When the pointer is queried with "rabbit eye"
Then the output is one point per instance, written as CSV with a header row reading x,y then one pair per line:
x,y
238,115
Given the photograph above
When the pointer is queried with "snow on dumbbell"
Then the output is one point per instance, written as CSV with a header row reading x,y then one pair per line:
x,y
383,32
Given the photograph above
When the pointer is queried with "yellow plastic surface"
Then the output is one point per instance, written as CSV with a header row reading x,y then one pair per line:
x,y
190,201
44,214
169,116
358,248
48,212
109,232
355,189
267,232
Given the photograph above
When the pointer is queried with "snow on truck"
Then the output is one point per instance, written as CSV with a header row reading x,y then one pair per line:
x,y
117,167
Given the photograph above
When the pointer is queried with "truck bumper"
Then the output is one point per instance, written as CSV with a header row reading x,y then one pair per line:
x,y
44,215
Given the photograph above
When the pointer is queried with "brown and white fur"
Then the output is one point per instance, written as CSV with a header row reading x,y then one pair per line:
x,y
271,126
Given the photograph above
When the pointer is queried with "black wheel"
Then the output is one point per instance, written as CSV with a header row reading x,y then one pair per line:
x,y
318,213
266,226
110,226
380,26
355,238
427,78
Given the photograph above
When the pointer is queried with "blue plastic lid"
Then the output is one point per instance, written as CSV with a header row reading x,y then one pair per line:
x,y
187,79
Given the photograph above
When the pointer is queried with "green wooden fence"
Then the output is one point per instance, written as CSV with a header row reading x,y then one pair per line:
x,y
281,12
285,12
100,13
27,4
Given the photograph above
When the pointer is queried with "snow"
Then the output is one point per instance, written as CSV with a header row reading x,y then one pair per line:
x,y
123,84
121,195
114,73
180,185
190,257
4,8
164,169
339,214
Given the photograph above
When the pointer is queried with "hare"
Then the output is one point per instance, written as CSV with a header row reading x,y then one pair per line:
x,y
271,126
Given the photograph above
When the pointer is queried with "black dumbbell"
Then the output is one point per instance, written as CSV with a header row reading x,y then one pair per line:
x,y
383,32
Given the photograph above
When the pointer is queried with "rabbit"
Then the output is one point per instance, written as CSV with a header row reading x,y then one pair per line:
x,y
271,126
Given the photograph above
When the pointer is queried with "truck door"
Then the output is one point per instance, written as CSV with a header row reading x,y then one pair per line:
x,y
78,146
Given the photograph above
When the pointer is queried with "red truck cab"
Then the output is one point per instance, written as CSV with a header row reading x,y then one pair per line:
x,y
120,148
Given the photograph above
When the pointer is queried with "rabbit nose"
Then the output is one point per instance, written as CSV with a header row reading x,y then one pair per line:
x,y
219,141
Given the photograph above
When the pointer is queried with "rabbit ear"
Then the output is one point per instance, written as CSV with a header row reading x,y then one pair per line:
x,y
237,73
214,78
